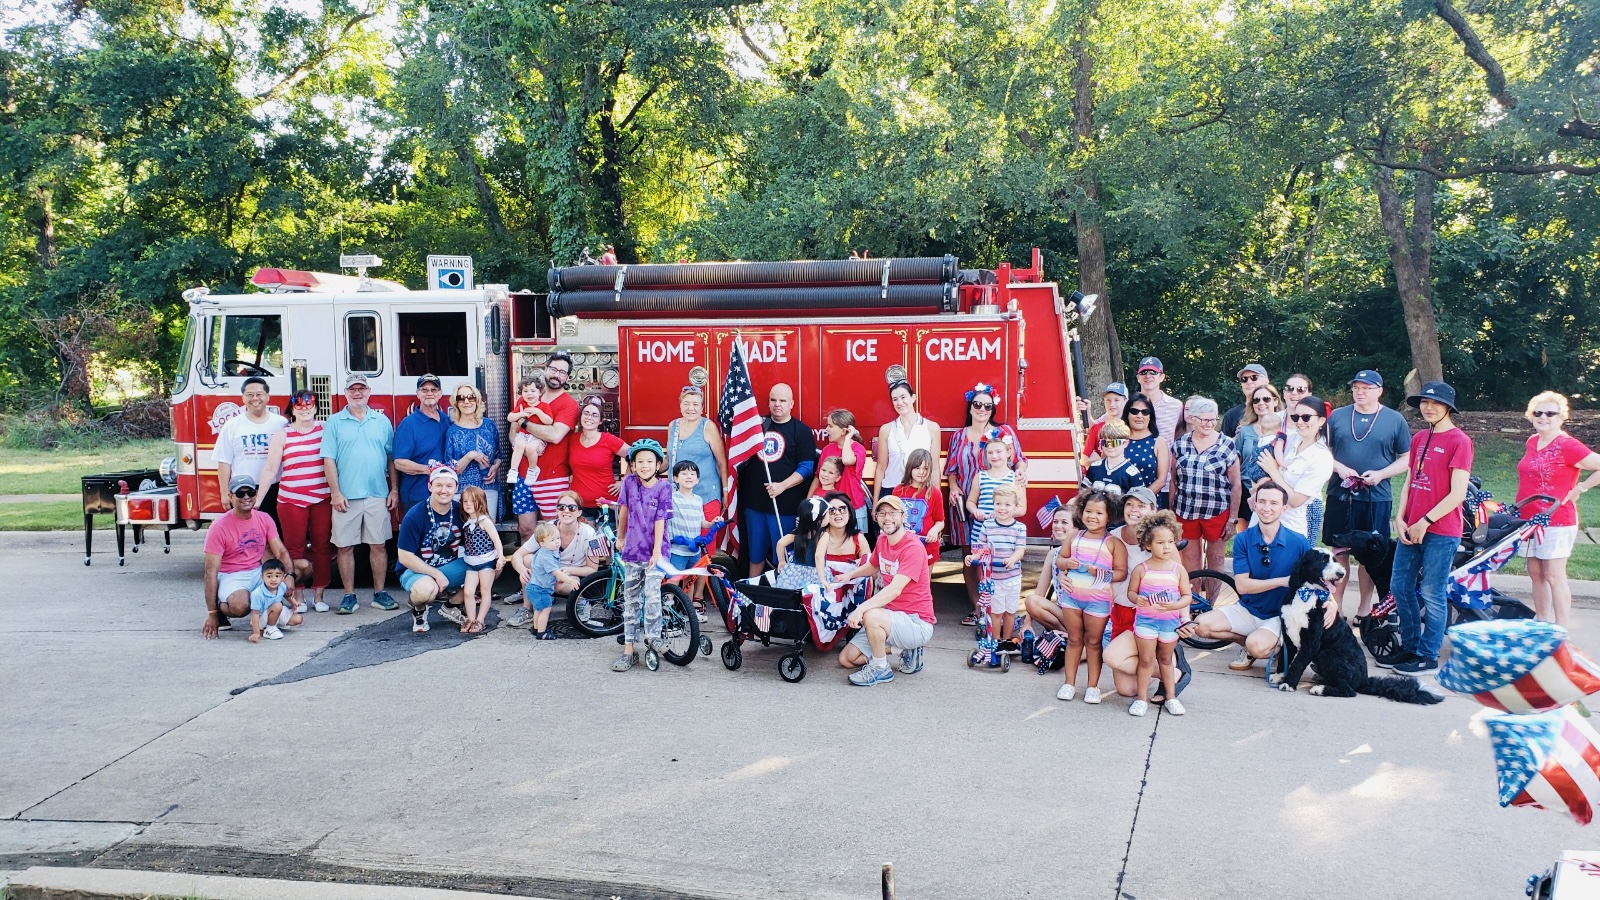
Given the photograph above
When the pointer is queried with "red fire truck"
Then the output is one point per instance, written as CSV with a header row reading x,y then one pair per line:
x,y
837,331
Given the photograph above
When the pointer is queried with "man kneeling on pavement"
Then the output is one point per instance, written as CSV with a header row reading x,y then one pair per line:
x,y
235,546
900,615
431,565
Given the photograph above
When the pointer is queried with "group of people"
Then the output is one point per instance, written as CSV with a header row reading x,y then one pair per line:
x,y
1167,484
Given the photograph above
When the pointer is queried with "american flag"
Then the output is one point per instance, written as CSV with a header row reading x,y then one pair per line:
x,y
1048,511
1518,666
1547,761
741,428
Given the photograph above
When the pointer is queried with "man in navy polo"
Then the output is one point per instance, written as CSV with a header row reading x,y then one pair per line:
x,y
1263,558
419,443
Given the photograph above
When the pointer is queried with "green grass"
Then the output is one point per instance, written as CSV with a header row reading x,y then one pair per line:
x,y
58,471
66,515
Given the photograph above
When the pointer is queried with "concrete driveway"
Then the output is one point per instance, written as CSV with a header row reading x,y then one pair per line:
x,y
506,764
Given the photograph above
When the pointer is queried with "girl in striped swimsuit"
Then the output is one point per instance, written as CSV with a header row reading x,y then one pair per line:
x,y
1162,588
1085,569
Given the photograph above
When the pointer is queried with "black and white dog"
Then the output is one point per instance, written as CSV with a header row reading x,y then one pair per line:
x,y
1332,652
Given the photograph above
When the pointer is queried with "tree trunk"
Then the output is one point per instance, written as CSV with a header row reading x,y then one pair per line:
x,y
608,176
480,184
1102,351
1411,256
44,224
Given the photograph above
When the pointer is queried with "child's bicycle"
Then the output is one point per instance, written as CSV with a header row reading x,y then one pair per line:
x,y
987,654
596,607
701,546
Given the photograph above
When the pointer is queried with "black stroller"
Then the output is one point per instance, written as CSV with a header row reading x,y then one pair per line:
x,y
757,609
1495,531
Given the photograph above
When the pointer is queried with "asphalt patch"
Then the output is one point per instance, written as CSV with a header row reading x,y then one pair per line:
x,y
377,643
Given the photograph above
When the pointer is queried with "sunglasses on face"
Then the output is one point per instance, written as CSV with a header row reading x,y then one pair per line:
x,y
1546,413
1262,400
566,507
466,399
1112,442
245,493
1246,379
838,510
979,405
1294,389
1301,417
1138,411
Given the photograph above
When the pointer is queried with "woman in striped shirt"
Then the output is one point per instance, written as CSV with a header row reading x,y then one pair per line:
x,y
305,517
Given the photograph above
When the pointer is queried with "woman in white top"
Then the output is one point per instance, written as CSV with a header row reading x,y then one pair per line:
x,y
908,431
1306,467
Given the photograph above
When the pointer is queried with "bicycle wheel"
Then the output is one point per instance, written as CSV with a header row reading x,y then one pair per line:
x,y
1211,590
680,627
595,608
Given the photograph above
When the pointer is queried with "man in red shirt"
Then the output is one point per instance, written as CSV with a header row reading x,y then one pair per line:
x,y
529,504
1428,517
900,614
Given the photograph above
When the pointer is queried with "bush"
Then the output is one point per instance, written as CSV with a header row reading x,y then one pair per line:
x,y
66,427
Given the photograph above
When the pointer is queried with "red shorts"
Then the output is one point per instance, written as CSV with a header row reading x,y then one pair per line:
x,y
1121,619
1211,529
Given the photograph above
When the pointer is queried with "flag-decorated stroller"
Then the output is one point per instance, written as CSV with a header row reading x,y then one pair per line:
x,y
987,654
758,609
1493,534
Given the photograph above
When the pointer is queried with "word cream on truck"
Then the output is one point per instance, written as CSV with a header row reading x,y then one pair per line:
x,y
311,330
837,331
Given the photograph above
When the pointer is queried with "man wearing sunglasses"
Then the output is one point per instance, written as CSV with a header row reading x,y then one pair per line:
x,y
236,544
1263,558
1250,377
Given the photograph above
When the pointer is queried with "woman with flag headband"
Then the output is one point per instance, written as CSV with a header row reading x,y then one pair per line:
x,y
965,461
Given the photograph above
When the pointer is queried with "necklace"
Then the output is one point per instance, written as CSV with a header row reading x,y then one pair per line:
x,y
1370,425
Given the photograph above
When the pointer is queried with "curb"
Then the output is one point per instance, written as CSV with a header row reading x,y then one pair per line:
x,y
47,883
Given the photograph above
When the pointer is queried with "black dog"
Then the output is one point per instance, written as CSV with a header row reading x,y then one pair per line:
x,y
1374,551
1332,652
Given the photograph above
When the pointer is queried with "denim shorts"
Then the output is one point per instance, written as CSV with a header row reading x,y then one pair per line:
x,y
1100,609
539,598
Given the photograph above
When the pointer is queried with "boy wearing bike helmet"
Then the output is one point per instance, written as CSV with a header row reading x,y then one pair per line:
x,y
644,506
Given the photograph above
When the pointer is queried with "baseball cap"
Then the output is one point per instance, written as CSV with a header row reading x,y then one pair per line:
x,y
442,473
430,377
1143,495
890,500
1116,387
1368,376
1255,368
241,481
355,378
1151,364
1437,391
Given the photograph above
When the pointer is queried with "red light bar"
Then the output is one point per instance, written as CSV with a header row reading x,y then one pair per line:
x,y
283,278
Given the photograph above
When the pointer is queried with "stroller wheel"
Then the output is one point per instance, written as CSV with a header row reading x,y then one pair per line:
x,y
732,656
1005,662
652,660
972,659
792,668
705,645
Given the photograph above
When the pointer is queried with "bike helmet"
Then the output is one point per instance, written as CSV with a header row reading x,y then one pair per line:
x,y
647,444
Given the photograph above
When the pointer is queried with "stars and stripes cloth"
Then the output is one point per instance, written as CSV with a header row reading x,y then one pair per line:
x,y
1518,666
1547,761
1048,511
740,422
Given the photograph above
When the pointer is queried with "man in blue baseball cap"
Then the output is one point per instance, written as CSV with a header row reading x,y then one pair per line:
x,y
1115,397
1369,442
1250,377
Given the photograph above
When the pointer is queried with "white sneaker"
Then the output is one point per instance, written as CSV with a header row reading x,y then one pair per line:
x,y
532,477
1091,695
301,609
1066,692
1173,706
1138,708
1243,662
320,606
272,633
511,476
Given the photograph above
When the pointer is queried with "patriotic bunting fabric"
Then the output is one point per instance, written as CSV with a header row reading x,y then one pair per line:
x,y
1518,666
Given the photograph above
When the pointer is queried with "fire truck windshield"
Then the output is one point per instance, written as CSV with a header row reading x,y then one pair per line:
x,y
191,334
246,345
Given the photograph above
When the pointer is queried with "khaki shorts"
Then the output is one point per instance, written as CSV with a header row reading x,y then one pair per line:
x,y
364,522
1244,622
906,632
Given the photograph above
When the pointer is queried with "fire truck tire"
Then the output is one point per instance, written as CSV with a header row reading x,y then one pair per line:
x,y
593,609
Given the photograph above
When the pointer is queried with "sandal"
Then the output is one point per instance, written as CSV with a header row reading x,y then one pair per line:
x,y
969,620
